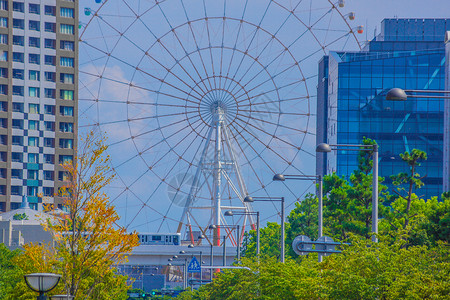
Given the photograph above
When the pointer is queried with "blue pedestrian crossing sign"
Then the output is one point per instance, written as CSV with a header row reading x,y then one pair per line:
x,y
194,266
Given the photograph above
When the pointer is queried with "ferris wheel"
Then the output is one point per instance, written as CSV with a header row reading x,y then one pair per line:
x,y
203,101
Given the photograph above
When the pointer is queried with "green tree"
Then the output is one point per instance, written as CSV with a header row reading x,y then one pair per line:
x,y
88,243
270,238
10,274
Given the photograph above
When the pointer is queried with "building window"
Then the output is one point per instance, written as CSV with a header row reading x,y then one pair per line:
x,y
50,10
4,22
50,60
33,141
4,4
3,139
33,125
49,109
3,173
66,78
3,89
18,6
65,159
50,27
48,191
17,124
16,157
32,191
66,12
19,23
16,190
3,156
67,45
17,140
66,143
34,9
18,40
66,110
49,159
48,175
34,25
18,57
4,72
63,176
49,126
66,29
16,173
50,44
34,92
4,56
49,142
33,108
17,107
34,42
4,39
3,123
32,174
66,94
34,75
50,76
33,158
3,105
17,90
50,93
18,74
65,127
34,59
66,61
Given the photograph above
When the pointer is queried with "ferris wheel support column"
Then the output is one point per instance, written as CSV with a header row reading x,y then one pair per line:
x,y
218,122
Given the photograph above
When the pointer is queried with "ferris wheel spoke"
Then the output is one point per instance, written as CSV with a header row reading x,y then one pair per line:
x,y
272,101
142,71
134,119
275,137
235,42
255,60
251,146
279,124
179,142
210,49
151,57
251,41
134,103
148,132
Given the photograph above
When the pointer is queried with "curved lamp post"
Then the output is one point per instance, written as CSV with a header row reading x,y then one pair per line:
x,y
319,192
42,283
397,94
323,147
230,213
249,199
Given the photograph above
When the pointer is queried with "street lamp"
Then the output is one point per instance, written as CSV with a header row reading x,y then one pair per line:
x,y
230,213
328,148
42,283
319,193
249,199
397,94
184,269
238,239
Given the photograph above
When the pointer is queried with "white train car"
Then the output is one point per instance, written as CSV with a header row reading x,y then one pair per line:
x,y
159,238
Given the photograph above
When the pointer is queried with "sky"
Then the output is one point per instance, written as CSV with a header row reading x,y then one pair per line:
x,y
126,74
372,12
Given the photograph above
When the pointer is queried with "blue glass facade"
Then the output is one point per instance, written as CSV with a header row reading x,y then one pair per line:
x,y
409,56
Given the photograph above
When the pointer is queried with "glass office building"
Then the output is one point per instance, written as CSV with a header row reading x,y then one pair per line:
x,y
409,54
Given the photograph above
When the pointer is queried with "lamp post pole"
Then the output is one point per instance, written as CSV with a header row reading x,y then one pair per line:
x,y
323,147
283,224
319,192
229,213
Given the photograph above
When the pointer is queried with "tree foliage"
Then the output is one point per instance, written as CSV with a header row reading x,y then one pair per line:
x,y
88,243
364,270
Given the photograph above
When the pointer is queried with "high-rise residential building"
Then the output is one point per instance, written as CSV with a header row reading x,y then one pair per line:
x,y
38,93
408,54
